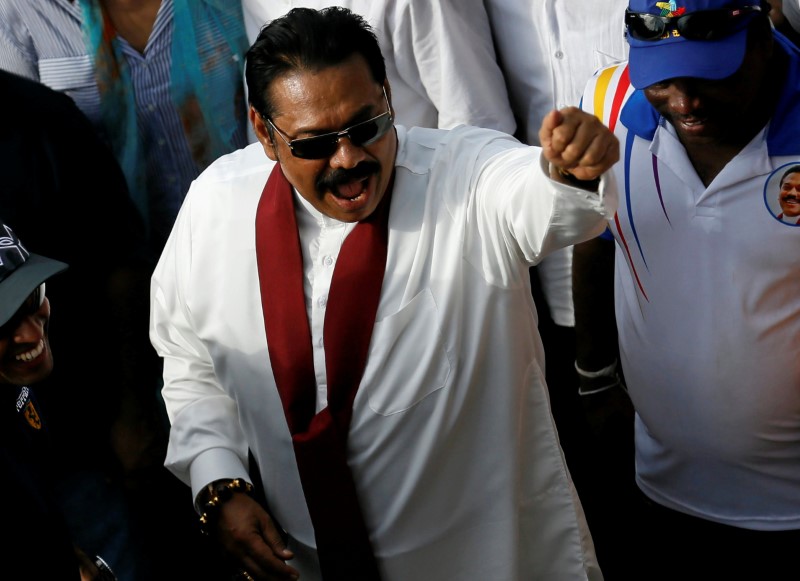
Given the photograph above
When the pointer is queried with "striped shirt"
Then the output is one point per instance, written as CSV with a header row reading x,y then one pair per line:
x,y
43,41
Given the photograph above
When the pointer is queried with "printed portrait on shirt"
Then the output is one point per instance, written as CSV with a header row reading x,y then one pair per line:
x,y
782,194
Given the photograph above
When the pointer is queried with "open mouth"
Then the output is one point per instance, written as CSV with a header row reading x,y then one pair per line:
x,y
352,191
352,198
32,354
693,122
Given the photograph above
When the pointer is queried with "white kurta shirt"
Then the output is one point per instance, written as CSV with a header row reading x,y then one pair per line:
x,y
549,50
452,444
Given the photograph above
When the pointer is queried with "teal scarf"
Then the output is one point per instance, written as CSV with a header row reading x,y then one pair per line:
x,y
202,76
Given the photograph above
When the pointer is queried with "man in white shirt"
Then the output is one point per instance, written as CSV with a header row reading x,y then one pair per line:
x,y
548,50
363,326
707,285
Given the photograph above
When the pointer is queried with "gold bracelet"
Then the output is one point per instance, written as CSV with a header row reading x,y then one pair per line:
x,y
218,492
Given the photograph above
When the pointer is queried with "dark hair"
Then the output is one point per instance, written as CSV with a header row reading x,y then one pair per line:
x,y
307,39
788,172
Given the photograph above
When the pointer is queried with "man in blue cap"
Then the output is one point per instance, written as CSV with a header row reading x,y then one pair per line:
x,y
707,285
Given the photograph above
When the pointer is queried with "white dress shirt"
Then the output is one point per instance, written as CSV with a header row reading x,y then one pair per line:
x,y
548,50
452,445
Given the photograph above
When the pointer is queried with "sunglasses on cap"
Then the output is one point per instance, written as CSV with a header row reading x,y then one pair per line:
x,y
700,25
321,146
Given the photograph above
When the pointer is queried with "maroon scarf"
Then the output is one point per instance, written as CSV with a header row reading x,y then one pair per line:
x,y
320,439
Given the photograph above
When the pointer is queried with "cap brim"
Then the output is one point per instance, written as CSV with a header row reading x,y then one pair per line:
x,y
657,61
23,281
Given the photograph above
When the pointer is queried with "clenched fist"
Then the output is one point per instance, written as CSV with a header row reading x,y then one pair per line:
x,y
578,142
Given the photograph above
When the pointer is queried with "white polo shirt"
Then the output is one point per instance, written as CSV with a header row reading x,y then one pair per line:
x,y
708,311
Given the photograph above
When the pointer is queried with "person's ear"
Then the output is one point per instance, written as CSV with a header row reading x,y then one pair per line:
x,y
262,133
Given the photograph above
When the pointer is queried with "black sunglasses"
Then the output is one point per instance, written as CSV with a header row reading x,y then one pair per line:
x,y
31,305
321,146
700,25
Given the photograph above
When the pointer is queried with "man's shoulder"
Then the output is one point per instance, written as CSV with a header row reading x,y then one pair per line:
x,y
612,98
781,135
232,184
607,92
422,147
23,17
239,165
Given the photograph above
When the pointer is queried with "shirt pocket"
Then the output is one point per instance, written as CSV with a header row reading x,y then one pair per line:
x,y
411,361
74,76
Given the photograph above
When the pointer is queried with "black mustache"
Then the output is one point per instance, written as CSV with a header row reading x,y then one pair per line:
x,y
342,176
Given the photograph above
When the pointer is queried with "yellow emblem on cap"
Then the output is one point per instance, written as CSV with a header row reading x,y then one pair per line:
x,y
670,9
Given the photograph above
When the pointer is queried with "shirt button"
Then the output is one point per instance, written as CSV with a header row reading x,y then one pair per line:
x,y
328,260
559,54
322,301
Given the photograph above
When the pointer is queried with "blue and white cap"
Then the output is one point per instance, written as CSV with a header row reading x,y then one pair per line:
x,y
675,56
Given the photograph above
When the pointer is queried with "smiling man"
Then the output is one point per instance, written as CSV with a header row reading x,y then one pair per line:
x,y
349,302
39,543
24,311
789,195
707,287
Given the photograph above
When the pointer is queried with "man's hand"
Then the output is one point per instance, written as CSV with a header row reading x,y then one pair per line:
x,y
608,411
251,538
578,142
